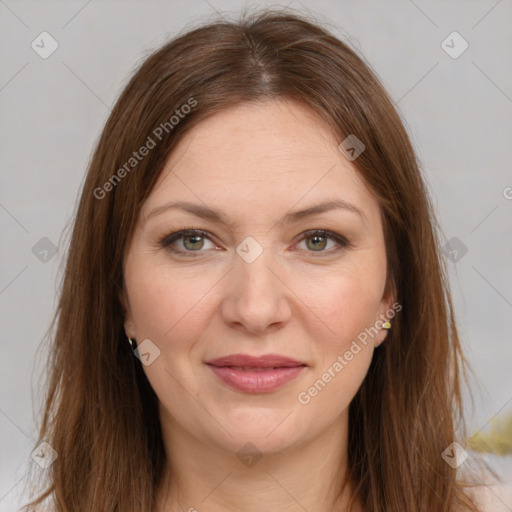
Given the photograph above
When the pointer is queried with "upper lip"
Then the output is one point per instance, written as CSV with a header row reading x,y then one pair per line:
x,y
263,361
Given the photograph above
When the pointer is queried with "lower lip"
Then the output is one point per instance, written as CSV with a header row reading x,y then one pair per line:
x,y
256,381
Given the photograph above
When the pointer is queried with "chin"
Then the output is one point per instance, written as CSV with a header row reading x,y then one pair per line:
x,y
269,430
252,441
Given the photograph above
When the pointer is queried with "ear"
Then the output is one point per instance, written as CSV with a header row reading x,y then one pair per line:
x,y
129,327
387,311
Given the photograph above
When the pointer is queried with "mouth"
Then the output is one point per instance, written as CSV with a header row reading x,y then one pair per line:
x,y
260,374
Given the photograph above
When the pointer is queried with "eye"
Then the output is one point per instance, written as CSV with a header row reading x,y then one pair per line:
x,y
319,239
193,240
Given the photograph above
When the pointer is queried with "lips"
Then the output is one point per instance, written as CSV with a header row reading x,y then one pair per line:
x,y
256,374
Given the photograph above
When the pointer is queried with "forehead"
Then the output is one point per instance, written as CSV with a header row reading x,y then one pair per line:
x,y
257,157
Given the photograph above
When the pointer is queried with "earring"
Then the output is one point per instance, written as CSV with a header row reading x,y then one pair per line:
x,y
132,343
387,326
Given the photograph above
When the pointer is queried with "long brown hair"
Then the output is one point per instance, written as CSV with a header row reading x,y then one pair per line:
x,y
101,414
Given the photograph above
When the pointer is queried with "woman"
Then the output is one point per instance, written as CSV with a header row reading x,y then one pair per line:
x,y
255,313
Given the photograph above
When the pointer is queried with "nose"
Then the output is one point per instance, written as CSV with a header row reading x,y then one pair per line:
x,y
256,296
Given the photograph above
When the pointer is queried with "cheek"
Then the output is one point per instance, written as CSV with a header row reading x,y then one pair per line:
x,y
165,305
157,298
348,305
153,304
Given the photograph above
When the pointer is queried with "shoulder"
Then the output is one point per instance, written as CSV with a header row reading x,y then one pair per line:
x,y
492,497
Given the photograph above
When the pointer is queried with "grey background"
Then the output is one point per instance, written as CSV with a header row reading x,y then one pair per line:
x,y
458,112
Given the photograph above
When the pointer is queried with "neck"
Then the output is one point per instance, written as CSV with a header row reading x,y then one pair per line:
x,y
203,477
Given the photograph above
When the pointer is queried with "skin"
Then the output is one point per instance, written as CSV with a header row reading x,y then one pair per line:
x,y
257,162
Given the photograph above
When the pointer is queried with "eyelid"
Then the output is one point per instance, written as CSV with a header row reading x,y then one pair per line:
x,y
169,239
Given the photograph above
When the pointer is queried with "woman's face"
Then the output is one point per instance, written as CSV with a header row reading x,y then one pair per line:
x,y
295,314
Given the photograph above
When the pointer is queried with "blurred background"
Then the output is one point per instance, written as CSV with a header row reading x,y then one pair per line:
x,y
447,66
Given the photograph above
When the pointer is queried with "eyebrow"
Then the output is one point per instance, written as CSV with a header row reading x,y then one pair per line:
x,y
220,217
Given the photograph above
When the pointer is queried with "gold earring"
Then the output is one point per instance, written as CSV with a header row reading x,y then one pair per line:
x,y
132,343
386,325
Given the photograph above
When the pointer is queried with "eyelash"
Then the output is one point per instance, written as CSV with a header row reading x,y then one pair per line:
x,y
167,241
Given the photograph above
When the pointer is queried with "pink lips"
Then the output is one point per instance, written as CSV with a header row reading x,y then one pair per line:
x,y
256,374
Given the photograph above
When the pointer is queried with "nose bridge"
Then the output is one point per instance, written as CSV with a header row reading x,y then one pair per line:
x,y
256,296
252,270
